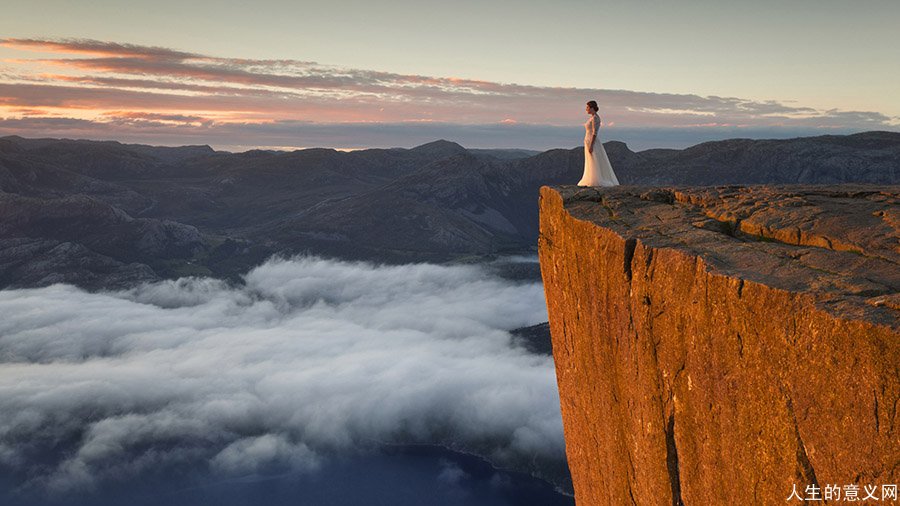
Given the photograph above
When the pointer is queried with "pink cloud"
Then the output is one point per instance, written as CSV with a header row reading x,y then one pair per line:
x,y
95,48
143,84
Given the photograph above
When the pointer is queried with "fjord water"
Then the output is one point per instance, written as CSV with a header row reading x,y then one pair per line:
x,y
404,476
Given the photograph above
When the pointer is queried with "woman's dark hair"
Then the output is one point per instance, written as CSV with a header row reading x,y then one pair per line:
x,y
593,105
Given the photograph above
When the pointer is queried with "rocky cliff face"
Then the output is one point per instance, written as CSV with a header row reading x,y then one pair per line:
x,y
719,345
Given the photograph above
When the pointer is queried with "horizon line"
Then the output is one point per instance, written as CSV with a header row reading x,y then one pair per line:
x,y
292,149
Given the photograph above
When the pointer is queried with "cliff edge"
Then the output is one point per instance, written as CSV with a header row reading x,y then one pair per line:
x,y
724,345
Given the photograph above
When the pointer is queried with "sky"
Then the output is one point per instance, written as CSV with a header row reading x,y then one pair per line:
x,y
353,74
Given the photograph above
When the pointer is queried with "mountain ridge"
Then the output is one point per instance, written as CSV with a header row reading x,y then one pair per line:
x,y
435,202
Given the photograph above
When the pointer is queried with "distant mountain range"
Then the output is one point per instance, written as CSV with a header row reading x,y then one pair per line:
x,y
106,215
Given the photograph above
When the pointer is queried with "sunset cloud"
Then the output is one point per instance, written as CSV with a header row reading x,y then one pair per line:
x,y
95,48
103,82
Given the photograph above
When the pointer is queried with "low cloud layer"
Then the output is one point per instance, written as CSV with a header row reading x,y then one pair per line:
x,y
91,89
311,358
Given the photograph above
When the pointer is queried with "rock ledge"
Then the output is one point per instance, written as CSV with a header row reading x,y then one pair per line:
x,y
717,345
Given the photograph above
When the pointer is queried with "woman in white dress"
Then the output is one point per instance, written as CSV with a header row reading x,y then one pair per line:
x,y
597,169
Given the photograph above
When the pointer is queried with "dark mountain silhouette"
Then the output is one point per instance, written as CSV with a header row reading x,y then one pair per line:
x,y
105,214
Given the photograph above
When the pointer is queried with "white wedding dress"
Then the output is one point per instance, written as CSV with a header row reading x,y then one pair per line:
x,y
597,169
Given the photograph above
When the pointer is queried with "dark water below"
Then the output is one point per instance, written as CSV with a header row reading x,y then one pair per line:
x,y
408,475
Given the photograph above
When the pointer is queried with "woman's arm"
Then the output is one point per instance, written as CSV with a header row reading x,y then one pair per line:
x,y
594,120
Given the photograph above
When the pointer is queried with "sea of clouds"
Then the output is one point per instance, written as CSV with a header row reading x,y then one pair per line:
x,y
308,359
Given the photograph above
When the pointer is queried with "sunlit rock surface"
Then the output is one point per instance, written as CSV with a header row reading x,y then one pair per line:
x,y
719,345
